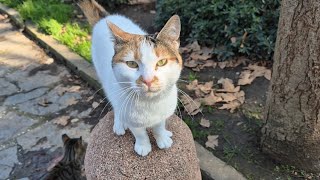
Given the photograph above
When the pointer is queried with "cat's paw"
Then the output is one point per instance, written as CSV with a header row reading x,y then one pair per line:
x,y
118,129
142,149
164,140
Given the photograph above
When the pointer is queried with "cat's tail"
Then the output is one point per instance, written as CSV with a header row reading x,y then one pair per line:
x,y
92,10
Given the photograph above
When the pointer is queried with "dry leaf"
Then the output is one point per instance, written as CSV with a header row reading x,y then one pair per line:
x,y
206,51
44,102
71,101
253,71
193,85
90,98
267,74
196,56
208,63
207,87
232,106
205,123
194,46
227,85
191,106
74,89
191,64
211,99
222,65
212,141
62,120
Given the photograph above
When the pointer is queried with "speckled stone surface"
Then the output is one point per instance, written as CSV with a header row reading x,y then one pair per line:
x,y
112,157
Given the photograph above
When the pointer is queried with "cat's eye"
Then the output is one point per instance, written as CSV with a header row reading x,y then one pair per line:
x,y
162,62
132,64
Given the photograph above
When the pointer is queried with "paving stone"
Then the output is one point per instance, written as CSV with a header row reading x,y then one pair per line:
x,y
40,79
23,97
55,103
49,136
8,158
7,88
12,124
85,113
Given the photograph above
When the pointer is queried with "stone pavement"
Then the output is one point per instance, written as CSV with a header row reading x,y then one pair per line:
x,y
35,93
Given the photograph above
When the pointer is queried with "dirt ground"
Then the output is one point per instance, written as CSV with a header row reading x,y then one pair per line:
x,y
238,132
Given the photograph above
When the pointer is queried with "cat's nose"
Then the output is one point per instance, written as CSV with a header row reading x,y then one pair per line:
x,y
148,82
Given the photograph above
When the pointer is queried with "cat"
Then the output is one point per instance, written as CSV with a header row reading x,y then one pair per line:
x,y
138,73
70,167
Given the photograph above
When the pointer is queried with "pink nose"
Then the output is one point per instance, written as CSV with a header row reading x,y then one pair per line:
x,y
148,82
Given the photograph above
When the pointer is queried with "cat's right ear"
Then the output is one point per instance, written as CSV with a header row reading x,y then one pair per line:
x,y
65,138
119,35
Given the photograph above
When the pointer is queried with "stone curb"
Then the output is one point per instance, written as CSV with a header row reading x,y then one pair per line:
x,y
213,167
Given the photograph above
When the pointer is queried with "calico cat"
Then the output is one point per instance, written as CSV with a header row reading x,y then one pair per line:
x,y
138,73
69,168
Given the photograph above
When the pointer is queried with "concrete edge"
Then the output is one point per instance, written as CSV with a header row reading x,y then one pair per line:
x,y
209,164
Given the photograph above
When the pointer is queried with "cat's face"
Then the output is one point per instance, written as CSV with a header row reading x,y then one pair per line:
x,y
147,64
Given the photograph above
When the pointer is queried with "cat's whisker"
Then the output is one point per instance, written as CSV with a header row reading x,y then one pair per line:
x,y
123,105
96,92
130,98
185,107
123,91
120,92
189,99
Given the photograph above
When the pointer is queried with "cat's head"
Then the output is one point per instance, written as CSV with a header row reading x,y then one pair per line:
x,y
74,149
150,64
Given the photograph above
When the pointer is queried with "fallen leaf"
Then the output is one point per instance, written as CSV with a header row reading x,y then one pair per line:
x,y
252,72
206,51
194,46
267,74
62,120
74,89
212,141
207,87
191,64
210,99
197,56
191,106
232,106
227,85
222,65
90,98
205,123
71,101
193,85
44,102
208,63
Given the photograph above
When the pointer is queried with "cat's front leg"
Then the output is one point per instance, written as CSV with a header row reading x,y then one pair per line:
x,y
118,126
142,145
162,136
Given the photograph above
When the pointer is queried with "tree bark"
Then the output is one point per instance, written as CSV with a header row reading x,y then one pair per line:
x,y
291,131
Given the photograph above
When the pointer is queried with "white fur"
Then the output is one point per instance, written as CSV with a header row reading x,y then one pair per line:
x,y
136,111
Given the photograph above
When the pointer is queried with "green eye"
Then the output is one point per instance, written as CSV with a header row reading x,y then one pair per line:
x,y
162,62
132,64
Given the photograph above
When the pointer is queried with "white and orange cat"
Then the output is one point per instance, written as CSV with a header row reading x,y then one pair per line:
x,y
138,73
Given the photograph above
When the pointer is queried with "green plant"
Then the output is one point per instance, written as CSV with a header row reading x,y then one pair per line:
x,y
231,26
55,18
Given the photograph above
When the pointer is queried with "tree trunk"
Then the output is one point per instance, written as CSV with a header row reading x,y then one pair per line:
x,y
291,133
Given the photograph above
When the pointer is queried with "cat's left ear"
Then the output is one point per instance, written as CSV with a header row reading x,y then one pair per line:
x,y
171,31
119,35
65,138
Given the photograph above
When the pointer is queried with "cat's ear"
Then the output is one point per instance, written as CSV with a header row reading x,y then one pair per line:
x,y
171,30
118,34
65,138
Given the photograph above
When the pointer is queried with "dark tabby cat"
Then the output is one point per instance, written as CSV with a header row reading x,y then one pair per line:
x,y
69,168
